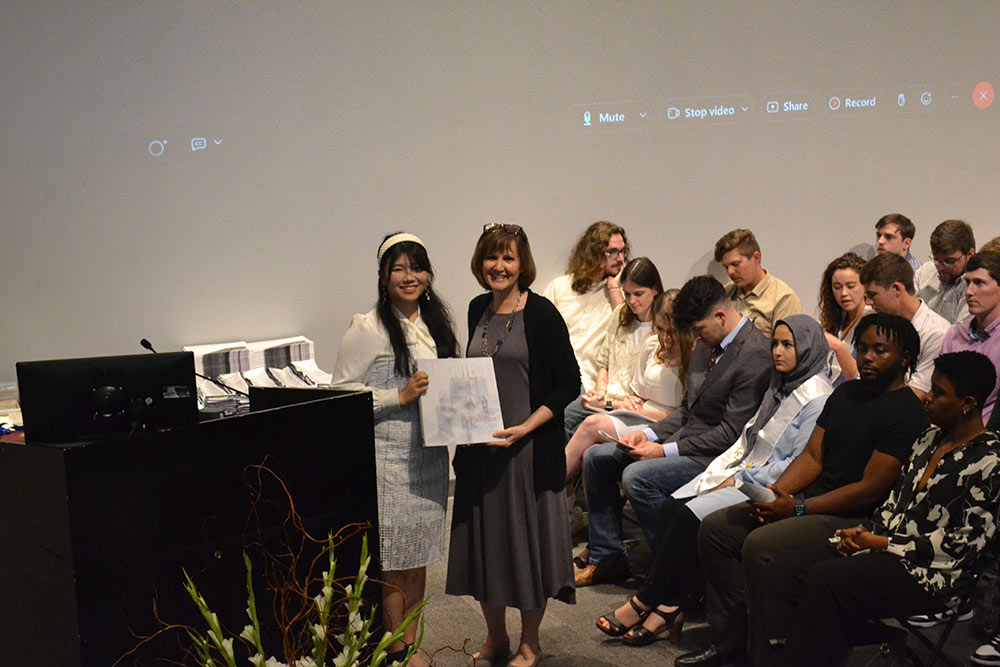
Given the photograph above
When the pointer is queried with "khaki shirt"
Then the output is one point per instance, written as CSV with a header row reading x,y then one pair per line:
x,y
769,301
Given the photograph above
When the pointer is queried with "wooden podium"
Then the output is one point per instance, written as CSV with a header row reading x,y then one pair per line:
x,y
91,532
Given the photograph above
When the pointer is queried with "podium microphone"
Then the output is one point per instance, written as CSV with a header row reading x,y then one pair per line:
x,y
149,346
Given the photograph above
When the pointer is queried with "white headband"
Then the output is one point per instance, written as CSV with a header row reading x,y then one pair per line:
x,y
398,238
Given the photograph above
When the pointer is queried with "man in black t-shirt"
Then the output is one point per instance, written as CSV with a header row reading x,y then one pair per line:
x,y
854,456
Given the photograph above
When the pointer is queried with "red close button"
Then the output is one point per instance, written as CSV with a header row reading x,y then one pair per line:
x,y
982,95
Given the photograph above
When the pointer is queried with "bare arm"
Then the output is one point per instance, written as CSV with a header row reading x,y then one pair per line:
x,y
848,364
615,294
859,498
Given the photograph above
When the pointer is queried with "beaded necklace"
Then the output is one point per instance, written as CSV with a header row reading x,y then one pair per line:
x,y
506,330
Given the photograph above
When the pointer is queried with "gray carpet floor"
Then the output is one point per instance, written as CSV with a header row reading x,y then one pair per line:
x,y
454,628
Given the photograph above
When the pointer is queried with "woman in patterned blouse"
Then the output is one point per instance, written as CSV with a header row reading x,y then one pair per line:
x,y
926,543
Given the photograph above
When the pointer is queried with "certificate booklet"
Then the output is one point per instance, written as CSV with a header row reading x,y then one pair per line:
x,y
461,405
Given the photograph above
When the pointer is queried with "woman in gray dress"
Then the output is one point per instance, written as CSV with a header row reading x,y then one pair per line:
x,y
378,352
510,543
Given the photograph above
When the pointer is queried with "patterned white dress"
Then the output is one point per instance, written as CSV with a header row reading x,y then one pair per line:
x,y
412,479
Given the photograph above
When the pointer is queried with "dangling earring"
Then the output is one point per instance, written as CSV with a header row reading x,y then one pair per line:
x,y
427,293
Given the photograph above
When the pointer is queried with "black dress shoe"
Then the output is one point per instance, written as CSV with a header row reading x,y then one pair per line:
x,y
713,656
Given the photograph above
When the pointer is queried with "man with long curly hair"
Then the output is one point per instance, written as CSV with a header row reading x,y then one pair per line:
x,y
589,291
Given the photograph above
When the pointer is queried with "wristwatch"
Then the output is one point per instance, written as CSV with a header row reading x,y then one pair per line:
x,y
607,406
800,506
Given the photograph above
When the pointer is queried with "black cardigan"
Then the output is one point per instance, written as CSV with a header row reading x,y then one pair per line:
x,y
553,381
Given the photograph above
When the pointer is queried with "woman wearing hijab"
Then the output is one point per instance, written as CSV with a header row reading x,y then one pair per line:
x,y
769,442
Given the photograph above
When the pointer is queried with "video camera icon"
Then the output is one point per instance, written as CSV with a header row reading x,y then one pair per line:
x,y
673,113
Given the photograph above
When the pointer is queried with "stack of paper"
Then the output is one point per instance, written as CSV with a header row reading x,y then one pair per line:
x,y
282,362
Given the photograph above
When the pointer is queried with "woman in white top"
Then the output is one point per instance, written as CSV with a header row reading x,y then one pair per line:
x,y
378,352
631,324
841,307
656,387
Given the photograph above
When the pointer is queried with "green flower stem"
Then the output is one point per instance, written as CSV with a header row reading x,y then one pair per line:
x,y
252,608
214,629
319,641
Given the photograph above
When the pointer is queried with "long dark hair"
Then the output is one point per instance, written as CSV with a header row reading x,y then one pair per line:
x,y
434,311
643,273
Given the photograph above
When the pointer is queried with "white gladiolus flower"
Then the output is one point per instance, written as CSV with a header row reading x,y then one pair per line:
x,y
227,646
247,633
305,661
348,589
257,660
274,662
354,622
341,660
319,630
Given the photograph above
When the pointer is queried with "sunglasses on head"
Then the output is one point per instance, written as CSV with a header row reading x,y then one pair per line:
x,y
510,229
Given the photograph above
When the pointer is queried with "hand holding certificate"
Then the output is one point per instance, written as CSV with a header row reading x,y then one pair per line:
x,y
461,404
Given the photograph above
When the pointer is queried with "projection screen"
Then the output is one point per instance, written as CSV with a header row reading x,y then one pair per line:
x,y
194,172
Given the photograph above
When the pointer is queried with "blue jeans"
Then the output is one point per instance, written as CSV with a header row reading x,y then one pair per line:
x,y
646,484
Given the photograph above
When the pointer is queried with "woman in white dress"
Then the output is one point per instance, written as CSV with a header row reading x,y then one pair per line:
x,y
841,307
655,390
378,353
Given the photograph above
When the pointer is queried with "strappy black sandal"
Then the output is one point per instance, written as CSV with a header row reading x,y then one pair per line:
x,y
615,627
673,622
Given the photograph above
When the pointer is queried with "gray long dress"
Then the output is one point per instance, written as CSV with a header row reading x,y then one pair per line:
x,y
509,543
412,482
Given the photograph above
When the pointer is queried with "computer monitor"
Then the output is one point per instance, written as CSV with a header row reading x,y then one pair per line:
x,y
73,400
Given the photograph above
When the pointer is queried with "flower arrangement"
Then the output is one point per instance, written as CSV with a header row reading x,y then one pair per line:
x,y
321,619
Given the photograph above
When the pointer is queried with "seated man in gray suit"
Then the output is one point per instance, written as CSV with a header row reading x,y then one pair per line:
x,y
727,376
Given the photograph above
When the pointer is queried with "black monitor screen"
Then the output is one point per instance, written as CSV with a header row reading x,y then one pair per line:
x,y
72,400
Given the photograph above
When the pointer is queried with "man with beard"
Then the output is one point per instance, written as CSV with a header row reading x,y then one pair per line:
x,y
939,283
585,296
853,458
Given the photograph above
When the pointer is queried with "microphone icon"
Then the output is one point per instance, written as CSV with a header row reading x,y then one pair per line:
x,y
586,119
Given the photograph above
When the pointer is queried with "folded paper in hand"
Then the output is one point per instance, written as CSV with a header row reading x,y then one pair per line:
x,y
758,494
